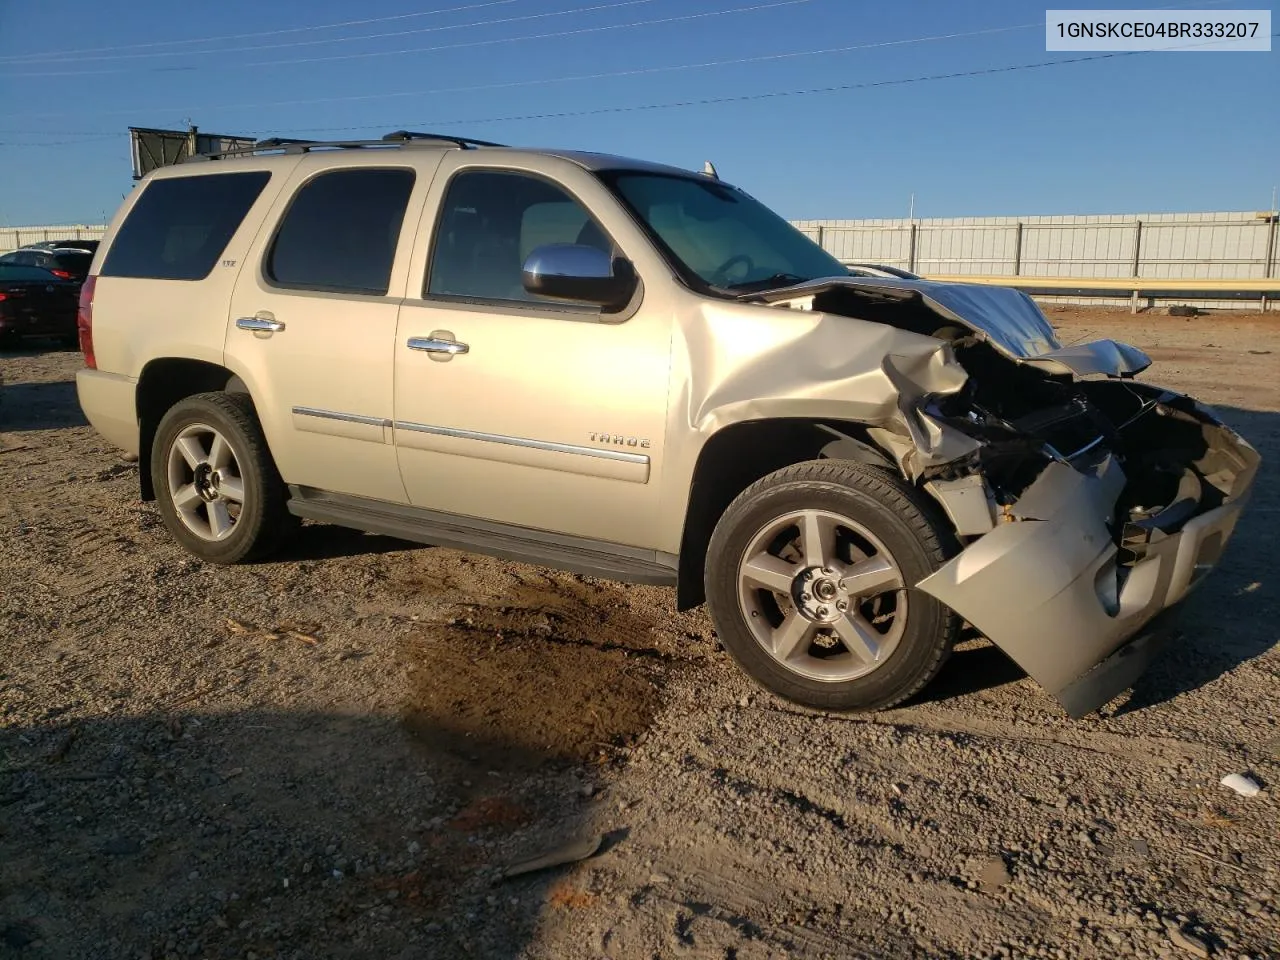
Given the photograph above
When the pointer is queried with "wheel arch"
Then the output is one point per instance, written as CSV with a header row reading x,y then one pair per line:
x,y
739,454
164,382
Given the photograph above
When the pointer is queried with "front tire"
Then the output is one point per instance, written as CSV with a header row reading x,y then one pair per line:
x,y
810,580
216,484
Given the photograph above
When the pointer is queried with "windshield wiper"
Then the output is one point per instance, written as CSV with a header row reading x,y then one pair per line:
x,y
777,280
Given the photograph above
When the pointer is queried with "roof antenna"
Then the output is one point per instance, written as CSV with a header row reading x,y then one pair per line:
x,y
709,169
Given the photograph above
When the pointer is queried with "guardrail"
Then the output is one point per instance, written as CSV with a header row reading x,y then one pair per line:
x,y
1136,289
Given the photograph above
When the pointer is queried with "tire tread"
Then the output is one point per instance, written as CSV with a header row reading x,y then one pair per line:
x,y
923,519
272,523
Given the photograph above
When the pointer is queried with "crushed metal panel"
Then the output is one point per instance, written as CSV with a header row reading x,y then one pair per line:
x,y
1039,589
1008,318
746,363
967,502
1096,358
1049,591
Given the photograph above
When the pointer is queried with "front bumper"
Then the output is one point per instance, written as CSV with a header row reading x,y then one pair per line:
x,y
1050,588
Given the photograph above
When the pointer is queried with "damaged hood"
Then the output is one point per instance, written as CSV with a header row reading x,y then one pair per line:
x,y
1006,318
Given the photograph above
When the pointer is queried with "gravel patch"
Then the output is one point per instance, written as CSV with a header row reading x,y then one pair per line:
x,y
340,752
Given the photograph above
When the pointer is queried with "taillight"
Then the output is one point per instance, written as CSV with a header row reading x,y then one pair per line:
x,y
84,322
3,297
61,274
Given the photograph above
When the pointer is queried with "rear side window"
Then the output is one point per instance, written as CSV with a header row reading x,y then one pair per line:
x,y
18,273
178,228
78,262
340,232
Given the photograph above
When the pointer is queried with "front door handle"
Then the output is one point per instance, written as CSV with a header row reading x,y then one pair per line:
x,y
260,324
438,344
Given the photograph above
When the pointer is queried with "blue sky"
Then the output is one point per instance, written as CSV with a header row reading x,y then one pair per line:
x,y
1153,132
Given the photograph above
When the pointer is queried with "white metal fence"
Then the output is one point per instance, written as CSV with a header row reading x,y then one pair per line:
x,y
1232,246
1239,246
13,237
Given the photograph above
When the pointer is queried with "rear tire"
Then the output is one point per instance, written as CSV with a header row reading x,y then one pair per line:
x,y
216,484
810,579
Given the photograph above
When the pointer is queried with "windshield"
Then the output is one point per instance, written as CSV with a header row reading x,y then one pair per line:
x,y
720,235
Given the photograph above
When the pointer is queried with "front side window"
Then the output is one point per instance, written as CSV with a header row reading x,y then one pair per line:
x,y
341,230
179,226
489,224
718,236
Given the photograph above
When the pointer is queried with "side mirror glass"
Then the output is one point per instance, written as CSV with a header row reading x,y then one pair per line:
x,y
581,274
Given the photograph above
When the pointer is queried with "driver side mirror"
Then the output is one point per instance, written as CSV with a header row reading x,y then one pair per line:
x,y
581,274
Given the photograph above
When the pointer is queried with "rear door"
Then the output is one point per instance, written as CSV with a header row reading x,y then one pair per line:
x,y
313,319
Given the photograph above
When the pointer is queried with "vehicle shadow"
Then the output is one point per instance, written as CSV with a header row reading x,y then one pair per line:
x,y
322,541
971,669
39,406
225,834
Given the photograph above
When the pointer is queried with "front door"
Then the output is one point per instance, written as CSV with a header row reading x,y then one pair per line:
x,y
513,408
313,324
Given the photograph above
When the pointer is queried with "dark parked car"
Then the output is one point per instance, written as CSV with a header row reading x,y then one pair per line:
x,y
36,303
90,245
63,262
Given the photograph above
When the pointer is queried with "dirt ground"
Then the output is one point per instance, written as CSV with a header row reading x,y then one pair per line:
x,y
338,752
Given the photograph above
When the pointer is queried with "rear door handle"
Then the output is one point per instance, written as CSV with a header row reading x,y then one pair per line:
x,y
260,324
434,344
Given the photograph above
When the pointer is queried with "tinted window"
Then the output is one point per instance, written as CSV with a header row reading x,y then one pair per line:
x,y
12,272
490,223
74,262
179,227
341,230
21,258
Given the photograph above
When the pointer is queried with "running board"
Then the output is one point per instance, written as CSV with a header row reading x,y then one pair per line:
x,y
593,558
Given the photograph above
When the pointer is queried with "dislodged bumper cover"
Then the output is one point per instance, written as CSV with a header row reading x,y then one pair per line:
x,y
1047,588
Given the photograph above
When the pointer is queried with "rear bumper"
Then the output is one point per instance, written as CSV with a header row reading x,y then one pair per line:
x,y
1050,588
36,324
109,403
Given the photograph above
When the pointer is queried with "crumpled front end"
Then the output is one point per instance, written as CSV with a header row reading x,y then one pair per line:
x,y
1094,548
1106,502
1086,502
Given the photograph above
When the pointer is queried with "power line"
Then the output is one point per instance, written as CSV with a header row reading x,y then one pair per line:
x,y
773,4
574,78
739,98
749,97
507,84
685,103
36,57
369,36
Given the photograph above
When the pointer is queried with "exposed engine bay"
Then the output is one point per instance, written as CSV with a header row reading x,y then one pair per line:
x,y
1085,501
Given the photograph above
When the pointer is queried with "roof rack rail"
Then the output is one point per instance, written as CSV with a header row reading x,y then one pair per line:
x,y
399,138
272,142
463,142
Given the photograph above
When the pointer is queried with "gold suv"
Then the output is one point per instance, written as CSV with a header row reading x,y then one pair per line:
x,y
639,372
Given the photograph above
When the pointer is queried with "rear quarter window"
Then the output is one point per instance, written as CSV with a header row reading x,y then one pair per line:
x,y
179,227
